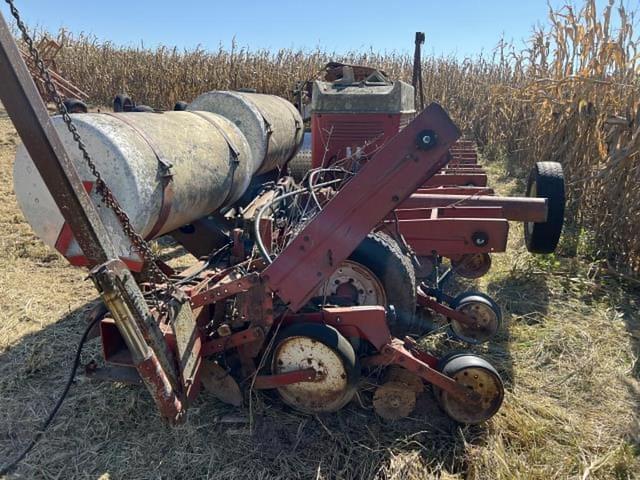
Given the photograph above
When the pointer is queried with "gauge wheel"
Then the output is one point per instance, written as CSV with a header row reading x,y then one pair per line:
x,y
485,312
322,347
476,374
546,180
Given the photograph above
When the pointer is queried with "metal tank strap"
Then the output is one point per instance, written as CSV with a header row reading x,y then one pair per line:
x,y
234,150
235,153
165,172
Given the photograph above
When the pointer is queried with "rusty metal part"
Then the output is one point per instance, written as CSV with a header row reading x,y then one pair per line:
x,y
416,79
395,353
486,320
393,400
224,290
327,393
142,335
217,381
484,383
367,322
166,398
356,283
188,343
49,49
472,265
460,317
412,381
250,335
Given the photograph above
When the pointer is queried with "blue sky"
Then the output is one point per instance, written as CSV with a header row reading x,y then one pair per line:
x,y
458,27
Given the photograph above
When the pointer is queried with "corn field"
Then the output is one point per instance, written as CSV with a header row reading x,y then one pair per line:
x,y
571,95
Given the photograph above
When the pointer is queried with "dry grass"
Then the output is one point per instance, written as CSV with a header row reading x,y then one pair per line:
x,y
569,357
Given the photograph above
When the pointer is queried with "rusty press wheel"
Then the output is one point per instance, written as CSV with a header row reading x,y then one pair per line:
x,y
322,347
476,374
485,313
472,265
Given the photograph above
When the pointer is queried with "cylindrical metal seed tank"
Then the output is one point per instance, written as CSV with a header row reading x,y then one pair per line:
x,y
211,165
272,125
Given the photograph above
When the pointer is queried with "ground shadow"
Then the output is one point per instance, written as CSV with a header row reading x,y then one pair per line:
x,y
113,429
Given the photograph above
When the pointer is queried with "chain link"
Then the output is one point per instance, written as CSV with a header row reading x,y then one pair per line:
x,y
138,242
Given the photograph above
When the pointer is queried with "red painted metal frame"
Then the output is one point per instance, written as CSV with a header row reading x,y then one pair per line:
x,y
430,303
455,190
383,183
279,380
449,179
369,323
250,335
523,209
452,236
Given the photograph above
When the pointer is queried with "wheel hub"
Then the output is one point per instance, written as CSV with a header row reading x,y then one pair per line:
x,y
485,384
356,283
325,394
485,322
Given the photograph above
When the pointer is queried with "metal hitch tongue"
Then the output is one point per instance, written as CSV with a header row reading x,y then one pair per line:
x,y
143,337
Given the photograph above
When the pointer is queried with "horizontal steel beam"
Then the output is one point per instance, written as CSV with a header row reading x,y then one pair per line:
x,y
521,209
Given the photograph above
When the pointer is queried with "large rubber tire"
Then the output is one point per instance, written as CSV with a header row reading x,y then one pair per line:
x,y
333,339
383,256
74,105
546,180
123,103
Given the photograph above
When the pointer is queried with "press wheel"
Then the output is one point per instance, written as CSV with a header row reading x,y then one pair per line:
x,y
318,346
478,375
486,315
